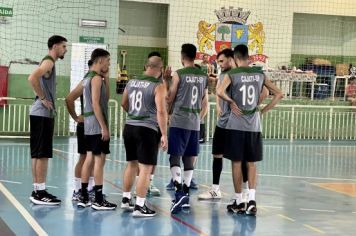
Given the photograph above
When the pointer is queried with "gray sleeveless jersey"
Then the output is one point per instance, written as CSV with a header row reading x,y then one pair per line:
x,y
188,101
142,107
91,124
224,106
246,86
48,86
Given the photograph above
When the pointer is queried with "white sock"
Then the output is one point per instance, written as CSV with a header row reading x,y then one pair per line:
x,y
35,186
140,201
41,186
215,187
238,197
245,185
126,194
77,184
91,183
251,195
176,174
152,176
188,175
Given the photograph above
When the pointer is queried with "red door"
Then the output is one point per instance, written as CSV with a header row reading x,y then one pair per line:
x,y
4,73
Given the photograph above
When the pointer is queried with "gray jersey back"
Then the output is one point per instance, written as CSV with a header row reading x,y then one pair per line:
x,y
91,124
224,106
48,86
246,87
188,101
142,106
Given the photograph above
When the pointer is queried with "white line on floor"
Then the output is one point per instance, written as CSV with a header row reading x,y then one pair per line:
x,y
34,224
228,172
8,181
306,209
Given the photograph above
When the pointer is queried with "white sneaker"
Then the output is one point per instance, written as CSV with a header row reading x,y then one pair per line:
x,y
153,190
211,194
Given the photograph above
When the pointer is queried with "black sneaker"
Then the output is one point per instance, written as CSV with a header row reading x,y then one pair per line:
x,y
76,195
105,205
42,197
251,208
143,211
127,204
236,208
83,202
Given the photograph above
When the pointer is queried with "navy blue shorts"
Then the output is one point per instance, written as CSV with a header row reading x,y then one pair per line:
x,y
183,142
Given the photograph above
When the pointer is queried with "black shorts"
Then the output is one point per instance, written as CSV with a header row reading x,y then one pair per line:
x,y
219,141
41,136
141,144
82,148
243,146
96,145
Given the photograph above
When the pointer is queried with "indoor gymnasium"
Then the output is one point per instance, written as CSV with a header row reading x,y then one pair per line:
x,y
162,117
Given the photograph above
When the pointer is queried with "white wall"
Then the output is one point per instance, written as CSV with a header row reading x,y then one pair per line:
x,y
276,15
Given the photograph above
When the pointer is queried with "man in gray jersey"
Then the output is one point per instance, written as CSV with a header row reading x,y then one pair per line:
x,y
145,130
244,138
226,62
96,130
186,96
76,93
42,113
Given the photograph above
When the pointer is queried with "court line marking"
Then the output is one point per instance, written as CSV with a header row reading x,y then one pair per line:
x,y
9,181
262,207
286,217
333,190
192,227
30,220
314,229
228,172
307,209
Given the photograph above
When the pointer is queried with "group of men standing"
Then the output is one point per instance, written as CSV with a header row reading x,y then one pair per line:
x,y
149,100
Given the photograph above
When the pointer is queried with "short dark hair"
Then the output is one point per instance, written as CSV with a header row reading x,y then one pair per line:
x,y
241,52
90,63
55,39
154,54
189,51
97,53
227,52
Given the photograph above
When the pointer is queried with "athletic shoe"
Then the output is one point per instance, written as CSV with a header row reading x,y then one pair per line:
x,y
193,184
143,211
153,190
105,205
201,140
251,208
83,203
42,197
170,185
127,204
76,195
180,199
91,194
236,208
186,192
211,194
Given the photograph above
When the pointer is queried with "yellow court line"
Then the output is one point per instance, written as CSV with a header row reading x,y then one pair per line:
x,y
314,229
286,217
331,189
30,220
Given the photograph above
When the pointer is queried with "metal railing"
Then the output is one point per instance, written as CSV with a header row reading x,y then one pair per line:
x,y
14,118
285,122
